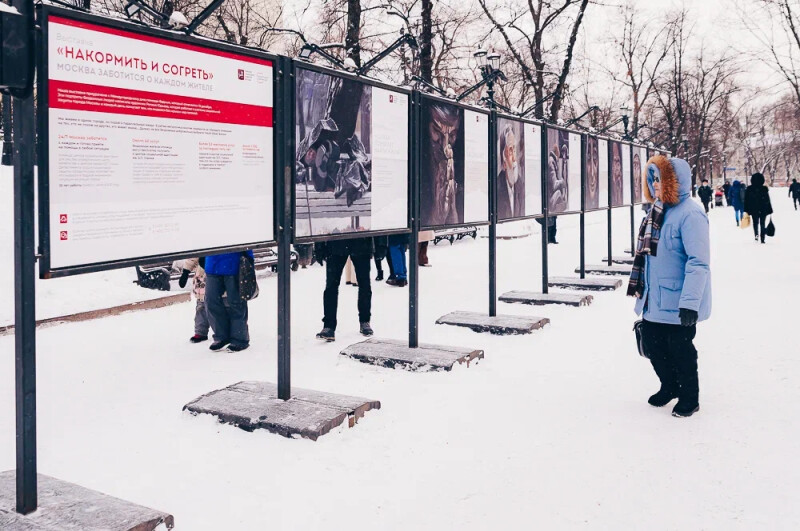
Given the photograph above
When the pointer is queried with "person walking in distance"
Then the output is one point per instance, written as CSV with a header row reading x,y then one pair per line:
x,y
726,189
794,192
736,200
671,280
705,193
758,204
335,255
228,321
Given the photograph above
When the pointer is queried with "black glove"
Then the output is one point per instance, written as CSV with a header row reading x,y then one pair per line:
x,y
185,277
688,317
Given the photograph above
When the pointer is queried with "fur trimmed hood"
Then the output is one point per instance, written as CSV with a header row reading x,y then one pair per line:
x,y
675,177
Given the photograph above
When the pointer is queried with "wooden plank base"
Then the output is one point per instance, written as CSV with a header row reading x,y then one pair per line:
x,y
591,284
65,505
541,299
397,354
255,405
606,269
619,260
500,325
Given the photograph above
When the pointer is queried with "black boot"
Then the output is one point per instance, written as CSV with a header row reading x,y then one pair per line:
x,y
685,409
380,275
662,398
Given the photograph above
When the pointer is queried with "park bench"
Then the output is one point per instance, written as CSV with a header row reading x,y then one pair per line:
x,y
158,275
453,235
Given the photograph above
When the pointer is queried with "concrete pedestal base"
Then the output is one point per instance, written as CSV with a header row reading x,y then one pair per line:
x,y
541,299
620,260
393,353
500,325
590,284
255,405
616,269
65,505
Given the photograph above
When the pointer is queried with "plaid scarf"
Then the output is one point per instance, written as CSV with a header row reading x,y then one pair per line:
x,y
649,234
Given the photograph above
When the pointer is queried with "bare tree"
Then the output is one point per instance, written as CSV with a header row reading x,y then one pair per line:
x,y
524,30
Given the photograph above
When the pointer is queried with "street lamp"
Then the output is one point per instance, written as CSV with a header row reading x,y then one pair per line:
x,y
489,65
625,111
685,142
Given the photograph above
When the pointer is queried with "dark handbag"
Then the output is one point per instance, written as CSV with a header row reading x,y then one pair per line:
x,y
637,330
248,287
770,229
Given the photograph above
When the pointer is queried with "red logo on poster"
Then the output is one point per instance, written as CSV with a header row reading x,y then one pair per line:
x,y
241,74
391,98
62,218
64,235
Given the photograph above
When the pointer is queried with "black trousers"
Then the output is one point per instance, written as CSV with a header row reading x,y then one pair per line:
x,y
705,204
674,358
796,200
759,219
333,276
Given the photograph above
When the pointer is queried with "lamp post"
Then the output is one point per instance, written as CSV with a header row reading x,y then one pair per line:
x,y
625,112
489,65
685,142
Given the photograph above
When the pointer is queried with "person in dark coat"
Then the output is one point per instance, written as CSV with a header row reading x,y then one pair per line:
x,y
736,200
705,192
229,322
794,192
335,254
726,189
758,204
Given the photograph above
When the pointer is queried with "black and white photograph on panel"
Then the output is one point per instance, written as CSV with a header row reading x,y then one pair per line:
x,y
617,187
454,150
627,188
510,169
557,171
352,156
533,169
639,153
574,173
592,173
602,165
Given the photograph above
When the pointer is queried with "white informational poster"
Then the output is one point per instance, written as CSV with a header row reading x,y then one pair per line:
x,y
155,146
533,169
574,175
626,175
602,152
476,167
389,159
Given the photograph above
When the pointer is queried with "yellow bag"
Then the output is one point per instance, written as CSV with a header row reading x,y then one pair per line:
x,y
745,221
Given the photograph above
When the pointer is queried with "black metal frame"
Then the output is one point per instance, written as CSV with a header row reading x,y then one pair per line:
x,y
299,64
45,269
425,96
541,176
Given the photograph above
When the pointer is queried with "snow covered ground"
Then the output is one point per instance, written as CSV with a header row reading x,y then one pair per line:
x,y
550,431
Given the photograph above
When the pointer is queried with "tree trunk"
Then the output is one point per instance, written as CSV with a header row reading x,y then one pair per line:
x,y
555,108
353,38
425,42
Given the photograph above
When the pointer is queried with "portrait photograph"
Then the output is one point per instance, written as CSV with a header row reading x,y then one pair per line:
x,y
592,161
617,186
557,171
510,169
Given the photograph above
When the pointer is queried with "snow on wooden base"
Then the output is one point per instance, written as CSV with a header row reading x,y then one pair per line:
x,y
606,269
590,284
541,299
393,353
619,260
500,325
65,505
255,405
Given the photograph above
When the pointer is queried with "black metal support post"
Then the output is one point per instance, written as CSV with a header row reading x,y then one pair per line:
x,y
610,207
492,209
284,139
582,220
24,131
545,204
633,206
414,212
8,145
